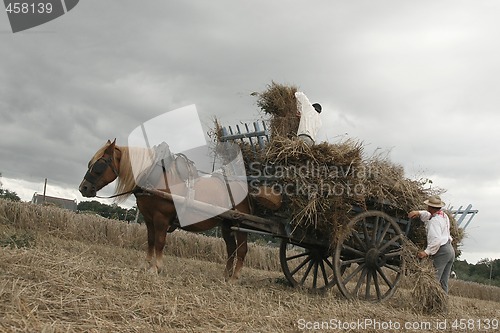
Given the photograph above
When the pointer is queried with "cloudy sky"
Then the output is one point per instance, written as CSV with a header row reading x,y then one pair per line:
x,y
417,79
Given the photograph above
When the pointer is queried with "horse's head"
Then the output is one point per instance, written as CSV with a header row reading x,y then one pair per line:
x,y
103,168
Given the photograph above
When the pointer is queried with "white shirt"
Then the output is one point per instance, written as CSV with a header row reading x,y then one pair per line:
x,y
438,230
310,121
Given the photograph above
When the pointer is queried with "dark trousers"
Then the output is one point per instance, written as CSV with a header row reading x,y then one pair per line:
x,y
443,262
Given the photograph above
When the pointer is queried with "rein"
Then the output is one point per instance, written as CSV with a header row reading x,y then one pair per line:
x,y
116,195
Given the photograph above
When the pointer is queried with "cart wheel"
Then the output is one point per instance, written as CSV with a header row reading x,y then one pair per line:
x,y
372,248
305,266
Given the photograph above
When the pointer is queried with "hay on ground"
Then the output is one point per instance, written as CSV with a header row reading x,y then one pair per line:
x,y
427,293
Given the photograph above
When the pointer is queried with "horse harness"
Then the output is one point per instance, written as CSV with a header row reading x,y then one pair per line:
x,y
184,168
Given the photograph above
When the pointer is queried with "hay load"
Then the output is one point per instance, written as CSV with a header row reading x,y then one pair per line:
x,y
321,184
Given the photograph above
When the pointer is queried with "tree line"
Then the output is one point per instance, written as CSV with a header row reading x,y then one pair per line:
x,y
9,195
111,211
6,194
485,271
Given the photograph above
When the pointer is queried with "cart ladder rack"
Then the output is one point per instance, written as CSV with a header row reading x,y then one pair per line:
x,y
463,214
255,134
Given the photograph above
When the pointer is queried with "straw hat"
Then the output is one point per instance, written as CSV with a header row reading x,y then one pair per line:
x,y
434,201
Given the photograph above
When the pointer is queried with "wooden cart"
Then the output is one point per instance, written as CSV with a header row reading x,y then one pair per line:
x,y
365,263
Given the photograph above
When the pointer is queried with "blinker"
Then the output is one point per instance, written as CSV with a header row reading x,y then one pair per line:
x,y
99,167
96,170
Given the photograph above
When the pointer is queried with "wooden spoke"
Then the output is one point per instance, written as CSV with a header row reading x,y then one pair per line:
x,y
368,278
365,233
396,269
353,261
328,262
396,253
323,272
390,242
382,235
384,277
375,229
350,276
297,256
360,280
306,260
315,275
377,287
353,250
306,274
359,241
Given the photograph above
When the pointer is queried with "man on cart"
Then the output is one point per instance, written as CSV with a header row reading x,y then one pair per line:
x,y
310,121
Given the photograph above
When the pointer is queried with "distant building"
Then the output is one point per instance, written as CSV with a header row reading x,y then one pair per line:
x,y
39,199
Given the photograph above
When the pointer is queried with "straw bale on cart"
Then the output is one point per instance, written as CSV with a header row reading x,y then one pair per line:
x,y
320,185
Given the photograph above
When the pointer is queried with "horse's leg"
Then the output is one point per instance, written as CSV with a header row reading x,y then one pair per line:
x,y
161,225
230,248
150,260
241,241
241,252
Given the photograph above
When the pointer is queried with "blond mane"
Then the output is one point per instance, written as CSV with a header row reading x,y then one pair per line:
x,y
133,160
98,154
142,159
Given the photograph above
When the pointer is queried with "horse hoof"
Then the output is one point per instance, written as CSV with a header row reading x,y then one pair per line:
x,y
152,270
232,280
144,266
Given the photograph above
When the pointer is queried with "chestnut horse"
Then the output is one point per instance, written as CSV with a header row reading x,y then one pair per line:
x,y
114,162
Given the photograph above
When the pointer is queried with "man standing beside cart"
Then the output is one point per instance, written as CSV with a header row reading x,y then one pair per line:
x,y
439,248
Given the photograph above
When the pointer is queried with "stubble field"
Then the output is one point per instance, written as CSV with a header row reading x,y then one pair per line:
x,y
65,272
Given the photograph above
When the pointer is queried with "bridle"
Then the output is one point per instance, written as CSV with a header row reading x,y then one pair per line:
x,y
96,171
